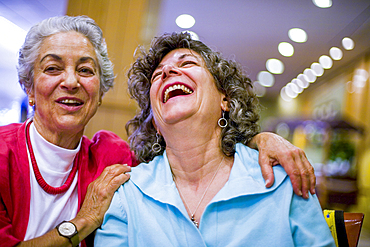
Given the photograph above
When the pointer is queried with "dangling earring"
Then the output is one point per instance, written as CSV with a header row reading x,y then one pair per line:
x,y
222,122
156,147
31,102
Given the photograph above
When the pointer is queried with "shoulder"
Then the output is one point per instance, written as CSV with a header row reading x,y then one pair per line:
x,y
248,159
110,147
9,136
9,132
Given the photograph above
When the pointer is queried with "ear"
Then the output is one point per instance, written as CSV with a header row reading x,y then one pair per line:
x,y
224,103
31,94
155,126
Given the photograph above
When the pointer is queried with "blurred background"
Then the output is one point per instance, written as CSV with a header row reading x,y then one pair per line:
x,y
309,61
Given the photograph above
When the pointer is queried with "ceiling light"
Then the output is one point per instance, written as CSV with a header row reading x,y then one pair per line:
x,y
336,53
193,35
304,80
317,69
322,3
258,89
326,62
299,84
286,49
185,21
311,77
297,35
275,66
348,43
294,88
289,91
12,36
266,79
284,96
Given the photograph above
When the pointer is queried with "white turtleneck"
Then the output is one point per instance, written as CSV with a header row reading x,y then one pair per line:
x,y
55,164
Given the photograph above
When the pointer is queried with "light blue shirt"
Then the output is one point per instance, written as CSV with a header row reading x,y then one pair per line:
x,y
148,211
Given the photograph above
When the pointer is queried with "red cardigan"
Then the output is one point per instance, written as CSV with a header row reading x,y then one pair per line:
x,y
103,150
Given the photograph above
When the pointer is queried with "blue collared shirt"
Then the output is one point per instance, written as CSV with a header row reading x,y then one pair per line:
x,y
148,211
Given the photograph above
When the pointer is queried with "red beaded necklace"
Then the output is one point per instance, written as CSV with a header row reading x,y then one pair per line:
x,y
47,188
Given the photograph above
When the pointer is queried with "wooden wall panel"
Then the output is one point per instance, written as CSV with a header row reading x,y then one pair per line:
x,y
122,24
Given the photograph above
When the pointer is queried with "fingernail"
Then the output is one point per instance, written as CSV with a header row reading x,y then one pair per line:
x,y
313,191
300,192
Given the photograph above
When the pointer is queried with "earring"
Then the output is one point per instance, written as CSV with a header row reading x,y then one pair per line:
x,y
222,122
99,103
156,147
31,102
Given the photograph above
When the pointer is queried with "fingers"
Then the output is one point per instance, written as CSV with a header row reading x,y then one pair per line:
x,y
300,171
100,193
266,169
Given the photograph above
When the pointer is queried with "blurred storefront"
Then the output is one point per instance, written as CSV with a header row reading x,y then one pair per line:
x,y
331,123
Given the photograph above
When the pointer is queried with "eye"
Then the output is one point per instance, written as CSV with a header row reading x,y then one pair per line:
x,y
52,70
156,75
85,71
188,63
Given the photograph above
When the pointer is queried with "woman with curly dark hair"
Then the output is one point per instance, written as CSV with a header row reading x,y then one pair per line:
x,y
202,186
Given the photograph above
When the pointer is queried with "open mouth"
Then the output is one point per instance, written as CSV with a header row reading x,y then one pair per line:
x,y
176,90
70,102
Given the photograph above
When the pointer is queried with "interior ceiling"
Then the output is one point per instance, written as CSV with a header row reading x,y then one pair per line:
x,y
250,31
247,30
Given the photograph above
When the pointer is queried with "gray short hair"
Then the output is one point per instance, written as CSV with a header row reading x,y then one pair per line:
x,y
82,24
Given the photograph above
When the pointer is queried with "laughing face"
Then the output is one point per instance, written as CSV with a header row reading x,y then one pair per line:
x,y
66,87
182,87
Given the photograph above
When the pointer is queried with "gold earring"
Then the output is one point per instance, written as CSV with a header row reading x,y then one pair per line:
x,y
31,102
99,103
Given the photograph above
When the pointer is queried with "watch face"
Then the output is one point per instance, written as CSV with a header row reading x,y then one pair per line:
x,y
67,228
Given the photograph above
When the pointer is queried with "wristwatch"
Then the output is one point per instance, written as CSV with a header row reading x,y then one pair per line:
x,y
69,230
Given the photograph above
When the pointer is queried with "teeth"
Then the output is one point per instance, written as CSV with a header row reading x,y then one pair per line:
x,y
70,101
175,87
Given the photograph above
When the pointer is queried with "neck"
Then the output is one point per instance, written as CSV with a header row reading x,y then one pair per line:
x,y
194,155
64,139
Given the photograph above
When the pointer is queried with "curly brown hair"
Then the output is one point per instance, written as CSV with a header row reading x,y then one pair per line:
x,y
229,77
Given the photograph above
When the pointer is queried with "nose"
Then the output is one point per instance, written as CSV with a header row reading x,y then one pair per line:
x,y
71,81
169,70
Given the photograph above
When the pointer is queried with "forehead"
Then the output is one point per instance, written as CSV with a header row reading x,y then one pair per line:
x,y
68,44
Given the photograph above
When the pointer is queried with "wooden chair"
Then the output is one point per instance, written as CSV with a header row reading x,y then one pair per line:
x,y
345,227
353,223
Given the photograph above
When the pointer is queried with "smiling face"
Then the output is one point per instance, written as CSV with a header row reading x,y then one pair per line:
x,y
182,87
66,87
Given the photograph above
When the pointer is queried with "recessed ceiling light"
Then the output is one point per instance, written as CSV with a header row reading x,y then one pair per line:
x,y
326,62
193,35
299,83
185,21
336,53
258,89
310,75
275,66
284,96
286,49
266,79
322,3
304,80
348,43
297,35
317,69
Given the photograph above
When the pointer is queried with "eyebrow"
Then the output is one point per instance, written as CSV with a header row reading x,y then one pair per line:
x,y
56,57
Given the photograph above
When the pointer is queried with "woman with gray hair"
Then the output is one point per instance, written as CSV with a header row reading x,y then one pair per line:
x,y
202,184
56,184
